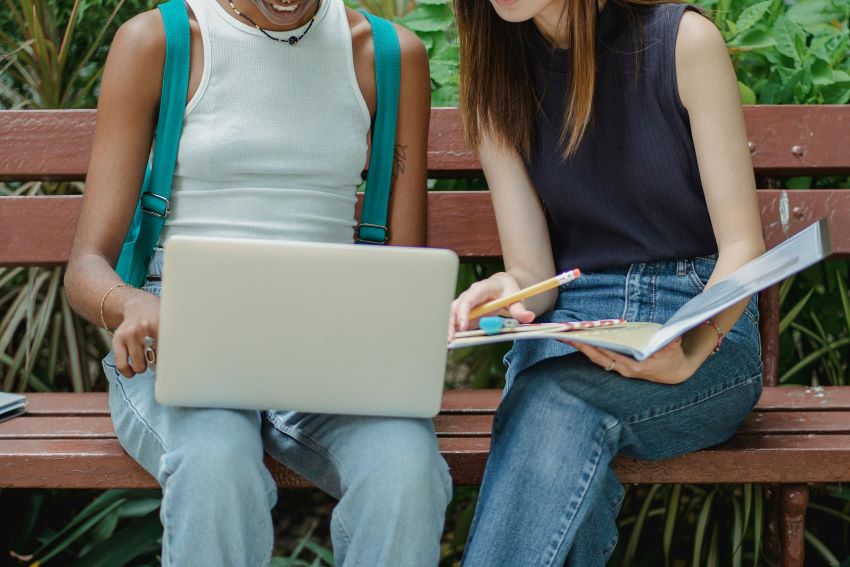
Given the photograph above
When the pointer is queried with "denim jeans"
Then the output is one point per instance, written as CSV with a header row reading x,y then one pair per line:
x,y
549,495
387,473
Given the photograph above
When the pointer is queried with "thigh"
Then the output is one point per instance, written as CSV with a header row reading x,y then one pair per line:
x,y
659,420
148,430
333,450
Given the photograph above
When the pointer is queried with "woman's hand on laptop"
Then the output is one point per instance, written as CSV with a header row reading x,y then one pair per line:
x,y
494,287
140,321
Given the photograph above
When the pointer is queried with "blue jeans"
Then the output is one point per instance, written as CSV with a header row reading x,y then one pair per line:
x,y
549,495
392,484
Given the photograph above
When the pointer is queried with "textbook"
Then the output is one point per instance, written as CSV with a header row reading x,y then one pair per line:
x,y
11,405
641,340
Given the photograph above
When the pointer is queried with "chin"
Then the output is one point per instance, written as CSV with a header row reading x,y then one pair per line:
x,y
287,19
512,11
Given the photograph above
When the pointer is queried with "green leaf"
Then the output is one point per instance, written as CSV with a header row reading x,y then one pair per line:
x,y
753,39
792,314
788,36
137,538
637,530
821,548
747,94
428,18
751,15
814,13
822,73
702,527
670,521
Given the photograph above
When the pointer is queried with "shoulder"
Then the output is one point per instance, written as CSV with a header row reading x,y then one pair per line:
x,y
143,36
698,40
413,51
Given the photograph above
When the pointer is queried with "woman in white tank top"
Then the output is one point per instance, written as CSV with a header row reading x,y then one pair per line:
x,y
274,140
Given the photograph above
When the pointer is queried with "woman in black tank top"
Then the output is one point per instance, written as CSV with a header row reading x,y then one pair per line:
x,y
613,140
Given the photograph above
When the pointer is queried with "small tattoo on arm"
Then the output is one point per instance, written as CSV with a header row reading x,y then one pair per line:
x,y
399,155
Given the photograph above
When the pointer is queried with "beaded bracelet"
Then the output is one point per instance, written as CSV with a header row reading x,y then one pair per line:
x,y
103,302
716,327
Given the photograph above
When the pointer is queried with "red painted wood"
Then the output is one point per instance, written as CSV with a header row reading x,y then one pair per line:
x,y
795,500
101,463
470,401
63,403
786,140
459,402
39,230
95,427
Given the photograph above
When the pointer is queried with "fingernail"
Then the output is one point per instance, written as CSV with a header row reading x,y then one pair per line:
x,y
463,323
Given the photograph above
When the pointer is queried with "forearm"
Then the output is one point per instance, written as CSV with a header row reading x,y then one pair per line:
x,y
700,342
525,277
88,279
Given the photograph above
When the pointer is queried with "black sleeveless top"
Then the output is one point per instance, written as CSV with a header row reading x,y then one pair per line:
x,y
632,191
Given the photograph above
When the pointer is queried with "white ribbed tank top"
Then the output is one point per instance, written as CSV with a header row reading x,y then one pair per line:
x,y
274,140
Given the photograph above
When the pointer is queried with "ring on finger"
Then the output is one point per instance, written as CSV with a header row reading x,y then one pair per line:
x,y
149,352
612,365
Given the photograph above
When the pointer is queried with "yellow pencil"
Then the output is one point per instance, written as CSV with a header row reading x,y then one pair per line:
x,y
524,293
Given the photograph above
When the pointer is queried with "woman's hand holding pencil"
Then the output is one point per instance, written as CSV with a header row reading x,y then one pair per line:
x,y
500,294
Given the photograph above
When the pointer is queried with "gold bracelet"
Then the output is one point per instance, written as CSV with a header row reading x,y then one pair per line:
x,y
103,302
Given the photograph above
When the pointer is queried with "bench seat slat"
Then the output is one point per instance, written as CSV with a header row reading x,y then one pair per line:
x,y
101,463
455,402
464,425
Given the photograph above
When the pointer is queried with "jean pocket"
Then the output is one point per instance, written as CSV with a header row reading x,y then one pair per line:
x,y
700,269
109,369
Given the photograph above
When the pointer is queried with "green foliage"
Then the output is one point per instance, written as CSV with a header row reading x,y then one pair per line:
x,y
52,52
788,54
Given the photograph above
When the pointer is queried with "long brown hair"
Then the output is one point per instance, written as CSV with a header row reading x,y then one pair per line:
x,y
496,92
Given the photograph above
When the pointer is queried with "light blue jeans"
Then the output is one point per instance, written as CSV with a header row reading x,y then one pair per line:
x,y
392,484
549,495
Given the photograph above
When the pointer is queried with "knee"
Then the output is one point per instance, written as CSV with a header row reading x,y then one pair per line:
x,y
409,473
219,469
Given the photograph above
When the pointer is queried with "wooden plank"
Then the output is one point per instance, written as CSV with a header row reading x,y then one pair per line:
x,y
798,398
461,425
769,459
65,403
37,231
459,402
799,140
785,140
101,463
76,427
790,423
470,401
45,144
100,427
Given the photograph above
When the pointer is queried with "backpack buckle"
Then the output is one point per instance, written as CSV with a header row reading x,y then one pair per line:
x,y
360,240
154,210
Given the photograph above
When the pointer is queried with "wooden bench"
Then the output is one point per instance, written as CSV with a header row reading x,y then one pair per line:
x,y
796,436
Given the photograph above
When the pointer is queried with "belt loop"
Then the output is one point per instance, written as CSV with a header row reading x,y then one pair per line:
x,y
681,267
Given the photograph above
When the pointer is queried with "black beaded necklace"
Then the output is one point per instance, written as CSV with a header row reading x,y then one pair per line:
x,y
291,40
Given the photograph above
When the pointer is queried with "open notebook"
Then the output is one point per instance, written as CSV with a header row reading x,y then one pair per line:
x,y
642,340
11,405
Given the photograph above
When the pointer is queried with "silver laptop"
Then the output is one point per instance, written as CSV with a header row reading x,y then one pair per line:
x,y
327,328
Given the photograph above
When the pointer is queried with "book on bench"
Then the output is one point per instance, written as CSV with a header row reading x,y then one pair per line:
x,y
640,339
11,405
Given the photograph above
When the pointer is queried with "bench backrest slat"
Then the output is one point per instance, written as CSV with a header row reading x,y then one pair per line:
x,y
38,230
785,140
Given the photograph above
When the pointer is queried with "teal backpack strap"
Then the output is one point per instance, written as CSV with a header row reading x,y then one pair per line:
x,y
155,198
373,227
